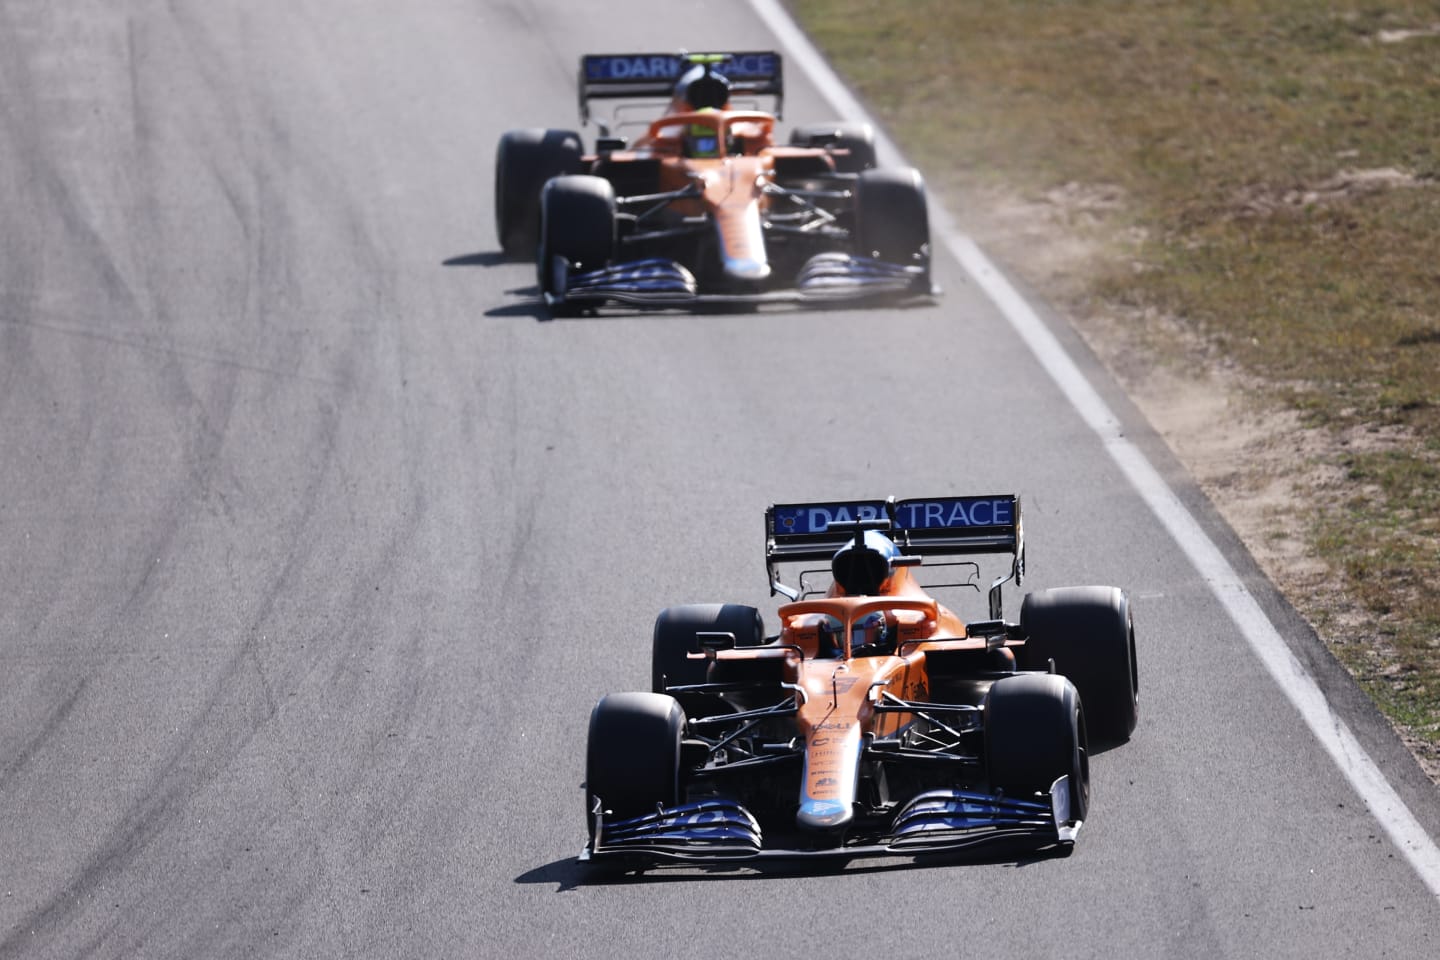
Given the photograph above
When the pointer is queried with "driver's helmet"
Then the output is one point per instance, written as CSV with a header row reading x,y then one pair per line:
x,y
702,140
862,566
702,88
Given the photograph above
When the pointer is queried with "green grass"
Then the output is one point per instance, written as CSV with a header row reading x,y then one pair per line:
x,y
1228,127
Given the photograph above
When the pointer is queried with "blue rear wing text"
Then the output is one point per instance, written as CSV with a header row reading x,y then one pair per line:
x,y
755,67
923,527
921,515
643,75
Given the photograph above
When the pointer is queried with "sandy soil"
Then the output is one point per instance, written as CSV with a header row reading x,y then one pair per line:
x,y
1257,464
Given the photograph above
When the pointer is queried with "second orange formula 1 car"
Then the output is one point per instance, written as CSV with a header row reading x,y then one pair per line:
x,y
702,204
877,721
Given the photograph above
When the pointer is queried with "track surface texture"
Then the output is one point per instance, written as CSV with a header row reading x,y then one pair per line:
x,y
318,544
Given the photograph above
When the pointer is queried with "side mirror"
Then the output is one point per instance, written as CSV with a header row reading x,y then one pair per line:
x,y
712,643
995,632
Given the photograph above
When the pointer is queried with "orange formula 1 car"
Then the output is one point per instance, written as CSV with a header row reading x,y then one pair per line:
x,y
702,205
877,722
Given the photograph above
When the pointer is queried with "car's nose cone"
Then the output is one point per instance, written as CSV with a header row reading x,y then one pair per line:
x,y
747,269
823,814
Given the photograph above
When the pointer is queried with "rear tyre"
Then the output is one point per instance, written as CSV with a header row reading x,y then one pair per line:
x,y
577,225
1035,734
524,161
854,141
632,759
674,637
1089,633
891,220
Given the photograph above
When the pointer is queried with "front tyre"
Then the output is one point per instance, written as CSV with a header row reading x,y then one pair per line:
x,y
892,222
1034,734
577,230
632,758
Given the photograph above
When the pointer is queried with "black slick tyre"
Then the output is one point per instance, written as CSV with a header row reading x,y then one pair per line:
x,y
892,222
524,161
577,226
674,637
632,757
1034,734
1089,634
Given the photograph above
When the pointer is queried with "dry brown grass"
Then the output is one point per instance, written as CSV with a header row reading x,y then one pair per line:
x,y
1253,185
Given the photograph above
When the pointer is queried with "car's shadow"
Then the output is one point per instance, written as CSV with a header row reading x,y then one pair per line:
x,y
529,306
1098,747
569,873
484,258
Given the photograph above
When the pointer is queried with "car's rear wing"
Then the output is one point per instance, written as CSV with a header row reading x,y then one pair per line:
x,y
614,76
924,527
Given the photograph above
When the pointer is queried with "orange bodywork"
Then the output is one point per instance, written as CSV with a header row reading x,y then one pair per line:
x,y
837,691
731,178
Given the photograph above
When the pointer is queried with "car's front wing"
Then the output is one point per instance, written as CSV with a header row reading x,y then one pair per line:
x,y
936,821
660,283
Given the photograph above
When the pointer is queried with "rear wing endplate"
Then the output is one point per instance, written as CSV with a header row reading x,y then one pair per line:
x,y
613,76
924,527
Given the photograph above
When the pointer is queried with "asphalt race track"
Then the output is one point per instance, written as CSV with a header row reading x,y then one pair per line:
x,y
318,544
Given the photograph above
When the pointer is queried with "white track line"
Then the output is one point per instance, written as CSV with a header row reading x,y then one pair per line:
x,y
1289,673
